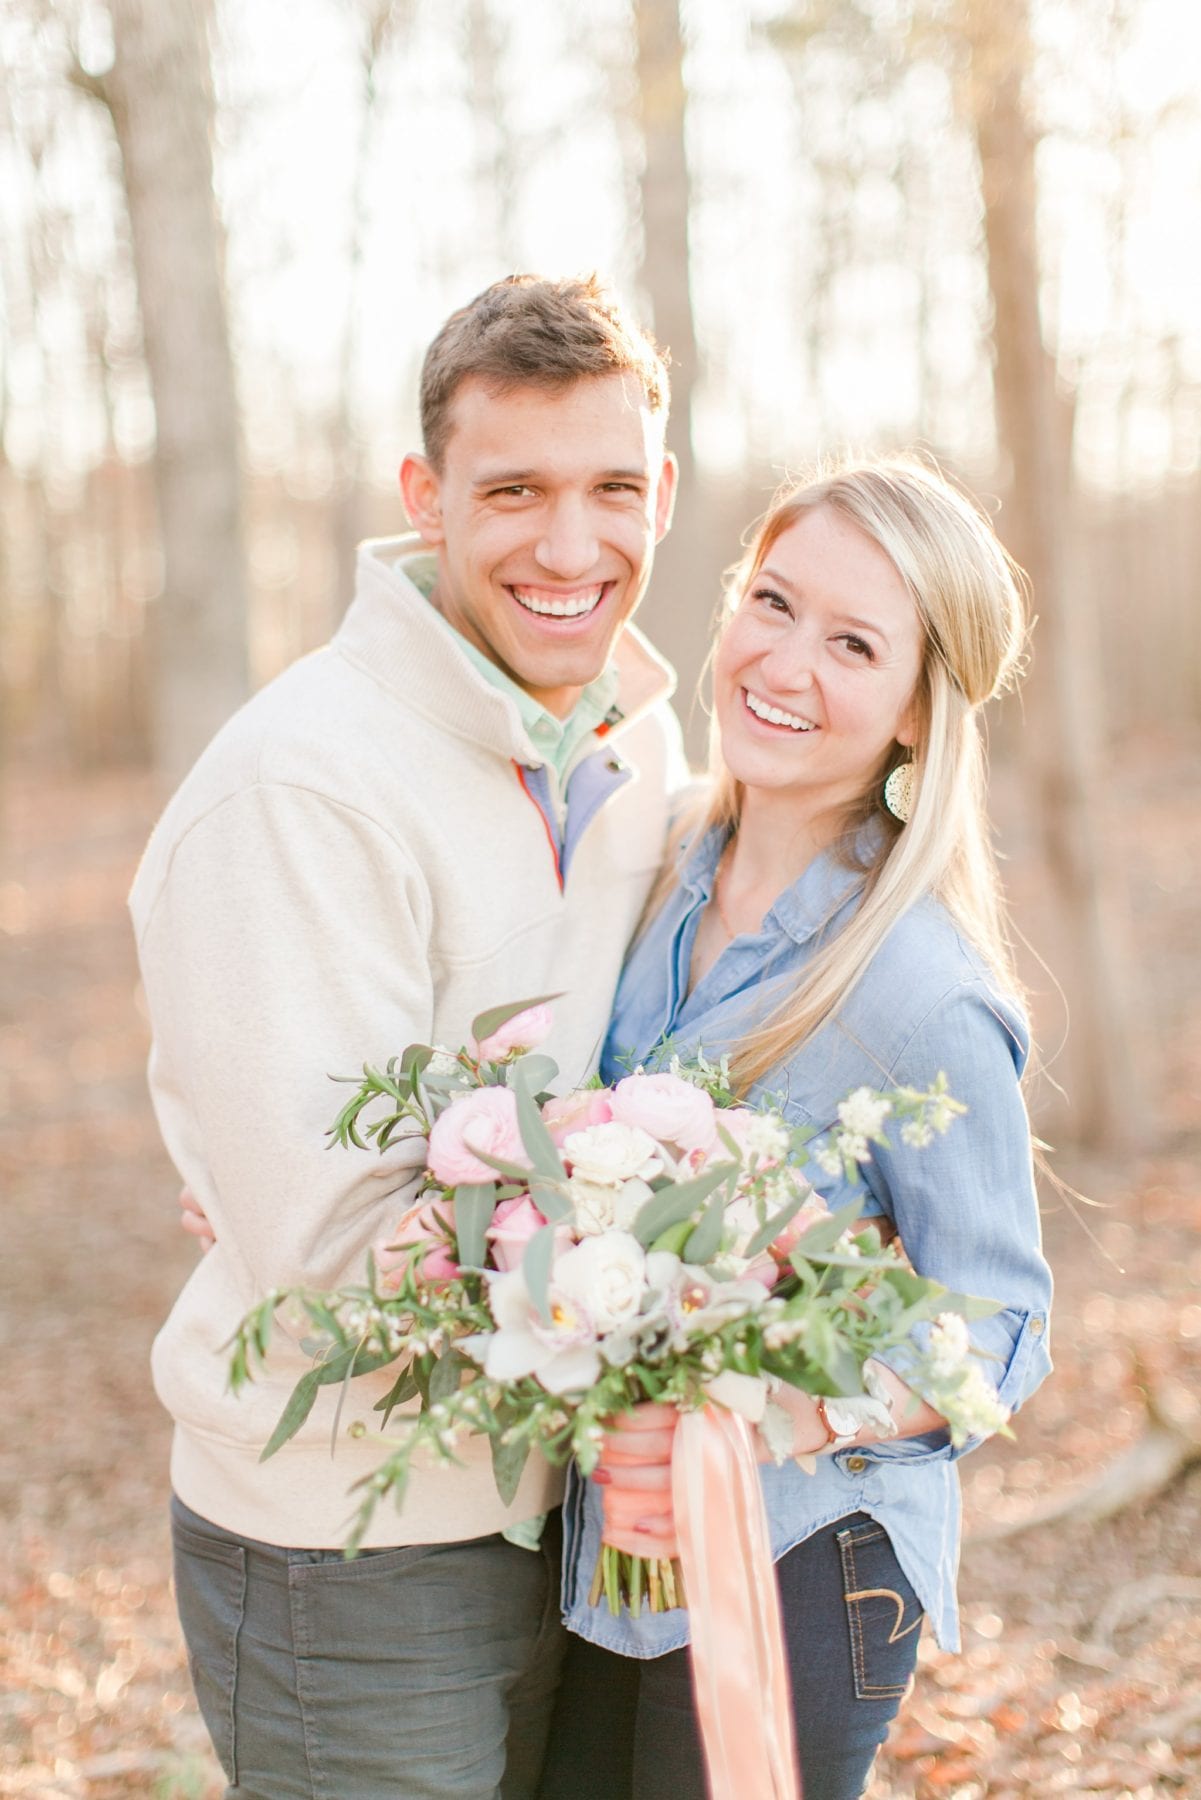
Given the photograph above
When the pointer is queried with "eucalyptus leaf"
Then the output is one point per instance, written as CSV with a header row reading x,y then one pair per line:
x,y
550,1200
972,1306
300,1405
414,1061
535,1266
539,1145
403,1389
475,1203
843,1259
826,1233
705,1239
771,1228
536,1070
511,1170
448,1372
485,1023
508,1462
679,1201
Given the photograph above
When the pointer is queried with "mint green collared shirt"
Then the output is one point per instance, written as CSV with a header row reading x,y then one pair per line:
x,y
556,740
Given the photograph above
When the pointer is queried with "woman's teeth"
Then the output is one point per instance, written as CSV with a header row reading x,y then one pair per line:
x,y
572,608
775,715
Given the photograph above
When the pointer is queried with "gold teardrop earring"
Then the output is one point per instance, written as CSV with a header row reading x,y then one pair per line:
x,y
899,790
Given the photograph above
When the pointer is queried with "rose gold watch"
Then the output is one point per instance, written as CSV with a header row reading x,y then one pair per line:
x,y
839,1429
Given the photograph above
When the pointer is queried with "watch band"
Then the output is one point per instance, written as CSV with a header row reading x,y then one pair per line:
x,y
819,1406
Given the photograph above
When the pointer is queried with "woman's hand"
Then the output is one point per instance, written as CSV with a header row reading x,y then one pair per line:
x,y
634,1475
195,1220
809,1434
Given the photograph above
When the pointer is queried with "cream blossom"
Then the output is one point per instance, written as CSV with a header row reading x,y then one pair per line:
x,y
561,1353
611,1153
863,1114
599,1206
606,1276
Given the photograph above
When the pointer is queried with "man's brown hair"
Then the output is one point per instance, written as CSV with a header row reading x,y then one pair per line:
x,y
527,331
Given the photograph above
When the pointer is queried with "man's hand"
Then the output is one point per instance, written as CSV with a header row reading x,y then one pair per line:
x,y
195,1220
634,1474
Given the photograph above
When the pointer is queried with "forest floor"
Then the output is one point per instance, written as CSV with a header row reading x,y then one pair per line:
x,y
1081,1668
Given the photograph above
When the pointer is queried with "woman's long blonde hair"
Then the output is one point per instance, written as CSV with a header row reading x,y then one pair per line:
x,y
969,597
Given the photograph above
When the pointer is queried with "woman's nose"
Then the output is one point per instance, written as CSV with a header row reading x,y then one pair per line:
x,y
788,668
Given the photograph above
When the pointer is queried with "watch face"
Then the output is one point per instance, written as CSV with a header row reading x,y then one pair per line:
x,y
843,1422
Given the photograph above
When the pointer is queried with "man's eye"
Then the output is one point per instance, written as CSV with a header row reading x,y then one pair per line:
x,y
516,492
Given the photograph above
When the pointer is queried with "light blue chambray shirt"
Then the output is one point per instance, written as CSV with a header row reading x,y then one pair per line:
x,y
965,1205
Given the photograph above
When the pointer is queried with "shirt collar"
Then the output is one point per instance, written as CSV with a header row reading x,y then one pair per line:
x,y
834,878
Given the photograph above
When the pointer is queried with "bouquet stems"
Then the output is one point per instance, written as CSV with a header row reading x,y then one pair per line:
x,y
653,1584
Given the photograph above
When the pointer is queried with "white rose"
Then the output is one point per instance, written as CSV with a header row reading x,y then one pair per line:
x,y
600,1207
606,1276
594,1203
610,1154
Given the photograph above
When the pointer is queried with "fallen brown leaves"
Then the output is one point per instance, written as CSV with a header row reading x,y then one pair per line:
x,y
1081,1669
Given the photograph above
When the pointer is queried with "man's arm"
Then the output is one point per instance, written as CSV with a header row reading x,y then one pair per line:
x,y
289,942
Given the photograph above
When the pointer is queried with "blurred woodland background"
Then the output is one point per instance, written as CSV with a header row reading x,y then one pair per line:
x,y
226,234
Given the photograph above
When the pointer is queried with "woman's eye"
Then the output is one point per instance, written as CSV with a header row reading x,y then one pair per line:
x,y
775,602
860,647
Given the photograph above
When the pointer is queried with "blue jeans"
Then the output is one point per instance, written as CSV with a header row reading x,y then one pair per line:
x,y
625,1729
421,1673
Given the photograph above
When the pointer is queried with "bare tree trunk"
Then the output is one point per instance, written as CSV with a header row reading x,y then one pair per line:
x,y
685,587
1058,743
160,97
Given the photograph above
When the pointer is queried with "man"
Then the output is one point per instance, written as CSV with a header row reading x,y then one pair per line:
x,y
459,801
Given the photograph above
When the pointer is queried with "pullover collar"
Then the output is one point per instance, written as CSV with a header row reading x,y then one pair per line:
x,y
392,632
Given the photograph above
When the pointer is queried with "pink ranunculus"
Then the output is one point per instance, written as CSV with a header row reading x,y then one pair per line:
x,y
524,1031
513,1225
812,1213
419,1230
484,1119
669,1109
576,1112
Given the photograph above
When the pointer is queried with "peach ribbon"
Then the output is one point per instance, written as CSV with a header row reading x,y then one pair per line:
x,y
739,1673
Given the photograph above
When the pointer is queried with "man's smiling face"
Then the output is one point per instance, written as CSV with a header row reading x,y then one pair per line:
x,y
544,517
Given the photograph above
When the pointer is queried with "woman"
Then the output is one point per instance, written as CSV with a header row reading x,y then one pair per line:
x,y
833,921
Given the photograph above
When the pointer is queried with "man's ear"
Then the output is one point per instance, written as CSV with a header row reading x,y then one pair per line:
x,y
421,491
665,495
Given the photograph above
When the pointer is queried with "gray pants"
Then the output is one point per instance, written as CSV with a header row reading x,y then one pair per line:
x,y
421,1673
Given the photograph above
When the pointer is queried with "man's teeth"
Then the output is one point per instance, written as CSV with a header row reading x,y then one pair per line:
x,y
775,715
560,609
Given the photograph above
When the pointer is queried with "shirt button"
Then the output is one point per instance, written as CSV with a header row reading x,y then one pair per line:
x,y
855,1465
1038,1325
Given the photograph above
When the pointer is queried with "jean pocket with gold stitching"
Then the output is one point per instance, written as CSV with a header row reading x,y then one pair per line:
x,y
884,1615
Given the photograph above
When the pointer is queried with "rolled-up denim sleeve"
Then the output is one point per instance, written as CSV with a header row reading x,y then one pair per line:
x,y
965,1205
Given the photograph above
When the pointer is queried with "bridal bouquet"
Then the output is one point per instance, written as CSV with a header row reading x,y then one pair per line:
x,y
568,1258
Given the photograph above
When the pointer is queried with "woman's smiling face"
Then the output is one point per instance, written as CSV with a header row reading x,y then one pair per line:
x,y
815,674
